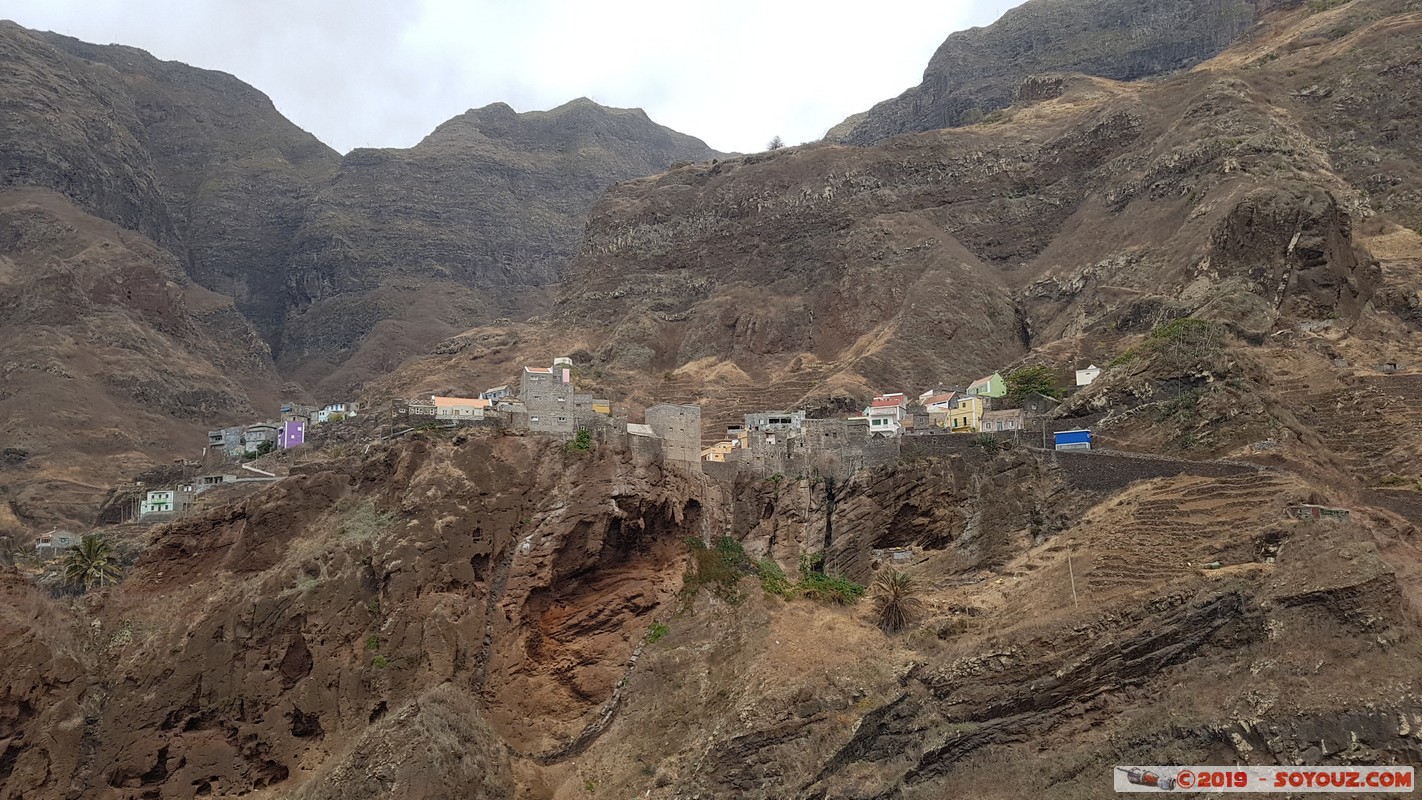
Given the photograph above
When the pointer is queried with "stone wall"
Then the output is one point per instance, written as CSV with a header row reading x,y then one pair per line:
x,y
679,428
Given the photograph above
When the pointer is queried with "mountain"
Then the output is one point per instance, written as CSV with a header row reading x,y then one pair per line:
x,y
285,268
976,72
1233,576
366,258
115,358
403,248
1272,188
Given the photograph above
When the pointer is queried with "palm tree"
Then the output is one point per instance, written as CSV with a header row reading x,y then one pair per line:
x,y
91,563
896,600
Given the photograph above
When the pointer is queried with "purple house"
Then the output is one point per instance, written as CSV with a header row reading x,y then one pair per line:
x,y
292,433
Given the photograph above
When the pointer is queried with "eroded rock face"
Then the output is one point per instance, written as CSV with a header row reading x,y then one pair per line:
x,y
467,226
975,72
114,359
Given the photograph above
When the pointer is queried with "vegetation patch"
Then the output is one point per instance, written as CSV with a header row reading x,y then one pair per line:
x,y
92,564
657,632
365,523
582,441
721,567
1036,379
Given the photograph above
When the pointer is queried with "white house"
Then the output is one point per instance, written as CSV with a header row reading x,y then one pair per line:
x,y
1085,376
886,414
334,410
167,501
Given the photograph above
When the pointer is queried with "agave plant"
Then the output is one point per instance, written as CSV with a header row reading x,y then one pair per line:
x,y
896,600
91,564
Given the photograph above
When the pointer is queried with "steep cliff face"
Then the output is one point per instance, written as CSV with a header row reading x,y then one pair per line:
x,y
114,359
474,614
474,223
367,259
977,71
235,175
75,130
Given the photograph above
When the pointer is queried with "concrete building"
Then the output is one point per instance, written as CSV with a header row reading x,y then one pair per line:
x,y
679,428
991,386
886,414
332,412
497,393
968,410
227,441
55,543
167,501
1084,377
772,421
460,409
290,411
718,451
292,433
254,436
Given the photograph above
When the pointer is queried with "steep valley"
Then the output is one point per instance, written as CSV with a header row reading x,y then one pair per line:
x,y
1218,203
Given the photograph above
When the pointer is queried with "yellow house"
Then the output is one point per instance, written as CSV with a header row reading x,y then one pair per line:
x,y
966,414
718,451
602,407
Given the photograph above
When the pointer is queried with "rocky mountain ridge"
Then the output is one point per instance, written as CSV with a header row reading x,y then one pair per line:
x,y
978,71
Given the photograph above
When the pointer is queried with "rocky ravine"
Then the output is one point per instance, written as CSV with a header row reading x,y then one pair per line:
x,y
466,615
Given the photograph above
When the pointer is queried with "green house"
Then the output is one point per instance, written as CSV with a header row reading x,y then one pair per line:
x,y
991,386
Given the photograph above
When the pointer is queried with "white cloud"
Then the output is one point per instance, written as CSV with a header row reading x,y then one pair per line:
x,y
370,73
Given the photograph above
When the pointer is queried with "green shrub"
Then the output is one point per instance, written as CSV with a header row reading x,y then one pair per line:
x,y
1126,357
1187,336
831,589
718,568
773,580
988,443
372,642
582,441
380,662
657,631
818,586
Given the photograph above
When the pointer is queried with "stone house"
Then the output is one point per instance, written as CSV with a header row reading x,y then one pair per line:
x,y
679,428
56,542
1014,419
254,436
547,395
1037,405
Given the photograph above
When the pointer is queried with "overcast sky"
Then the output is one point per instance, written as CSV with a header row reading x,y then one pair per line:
x,y
382,73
